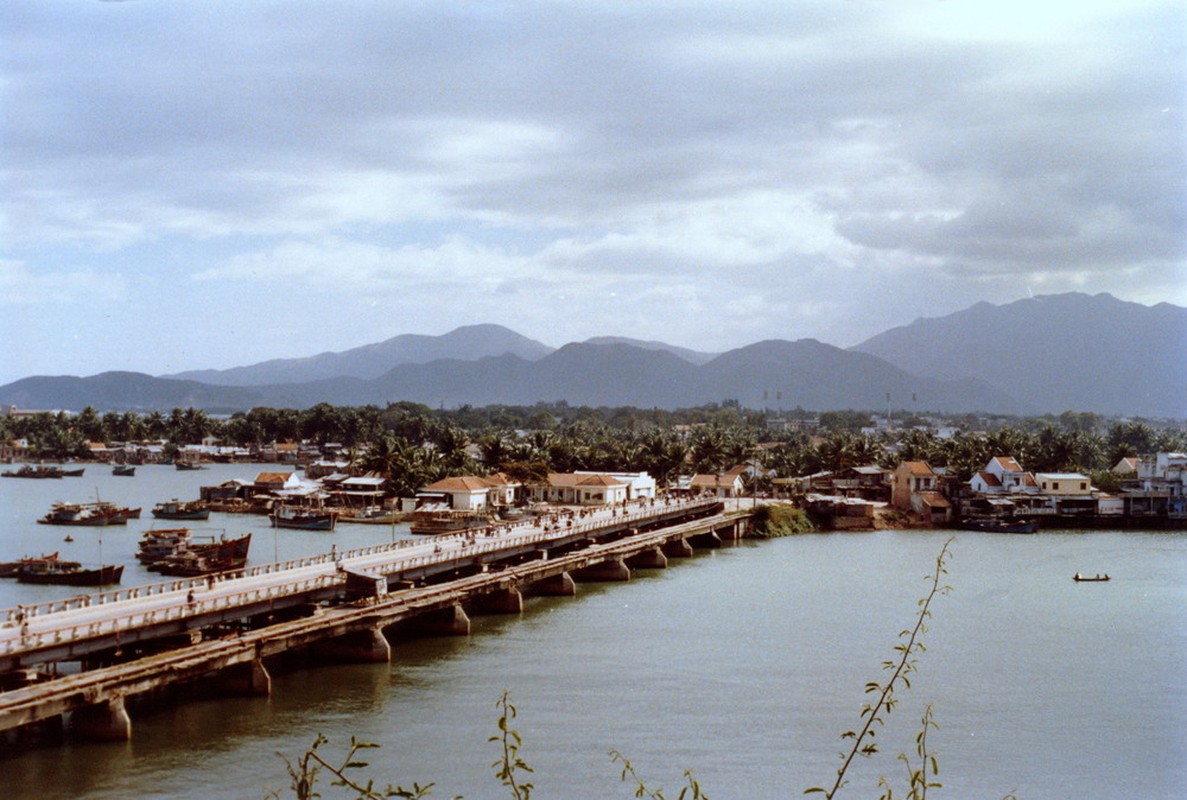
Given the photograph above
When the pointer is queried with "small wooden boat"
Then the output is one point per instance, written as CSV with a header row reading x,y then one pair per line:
x,y
86,514
159,543
1078,578
35,472
188,465
185,510
123,470
188,558
69,574
371,516
9,569
435,520
306,519
73,473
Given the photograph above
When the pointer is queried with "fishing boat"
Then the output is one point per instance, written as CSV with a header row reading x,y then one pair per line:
x,y
185,510
123,470
88,514
189,558
1078,578
63,573
158,543
371,515
35,472
436,518
9,569
73,473
188,465
998,525
301,518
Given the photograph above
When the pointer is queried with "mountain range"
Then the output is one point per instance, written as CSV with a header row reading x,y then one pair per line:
x,y
1045,354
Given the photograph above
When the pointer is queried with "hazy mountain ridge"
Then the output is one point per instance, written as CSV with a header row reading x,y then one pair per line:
x,y
468,343
1055,352
1049,354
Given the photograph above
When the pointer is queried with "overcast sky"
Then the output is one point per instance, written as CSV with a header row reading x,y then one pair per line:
x,y
208,184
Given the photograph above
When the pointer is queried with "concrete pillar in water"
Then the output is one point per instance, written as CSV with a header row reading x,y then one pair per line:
x,y
612,569
500,601
449,621
366,646
709,541
249,678
678,548
561,585
107,721
648,559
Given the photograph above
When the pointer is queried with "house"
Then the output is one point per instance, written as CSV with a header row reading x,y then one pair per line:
x,y
14,450
581,488
464,493
722,484
932,507
910,479
276,482
869,482
638,484
1002,475
1126,466
1063,483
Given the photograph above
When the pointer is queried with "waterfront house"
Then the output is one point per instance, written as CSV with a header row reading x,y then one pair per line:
x,y
580,488
276,482
14,450
1002,475
869,482
638,484
910,479
720,484
464,493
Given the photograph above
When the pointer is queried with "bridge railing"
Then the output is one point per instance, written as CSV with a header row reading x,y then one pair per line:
x,y
473,542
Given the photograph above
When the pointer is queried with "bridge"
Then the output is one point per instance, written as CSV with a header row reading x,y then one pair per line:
x,y
79,661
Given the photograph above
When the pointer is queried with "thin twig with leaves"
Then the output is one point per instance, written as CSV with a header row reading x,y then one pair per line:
x,y
691,790
303,775
509,764
900,670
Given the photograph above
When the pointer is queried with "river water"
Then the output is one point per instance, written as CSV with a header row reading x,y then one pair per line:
x,y
742,664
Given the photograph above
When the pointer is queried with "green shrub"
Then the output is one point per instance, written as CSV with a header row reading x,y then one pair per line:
x,y
773,521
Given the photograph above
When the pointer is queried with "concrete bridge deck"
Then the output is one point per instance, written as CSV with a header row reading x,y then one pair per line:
x,y
141,638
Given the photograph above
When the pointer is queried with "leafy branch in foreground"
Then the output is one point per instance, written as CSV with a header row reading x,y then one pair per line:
x,y
510,763
691,790
900,671
303,775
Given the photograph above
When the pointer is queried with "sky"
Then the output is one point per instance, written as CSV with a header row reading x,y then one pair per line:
x,y
205,184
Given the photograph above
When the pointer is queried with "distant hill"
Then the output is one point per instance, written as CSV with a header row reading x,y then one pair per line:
x,y
1055,353
124,391
691,356
468,343
775,374
1047,354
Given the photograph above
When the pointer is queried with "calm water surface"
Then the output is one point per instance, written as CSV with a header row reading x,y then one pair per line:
x,y
743,664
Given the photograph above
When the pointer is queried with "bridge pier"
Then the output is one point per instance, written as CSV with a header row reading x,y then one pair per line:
x,y
449,621
612,569
677,548
708,541
106,721
248,678
368,646
561,585
499,601
648,559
